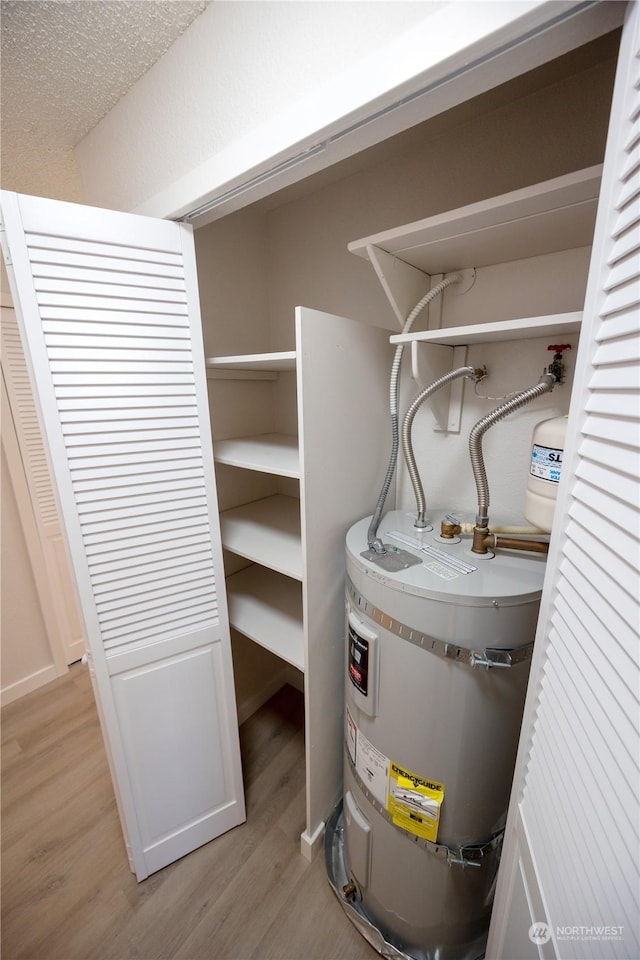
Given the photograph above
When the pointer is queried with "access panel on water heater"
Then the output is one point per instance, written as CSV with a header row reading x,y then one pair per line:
x,y
363,664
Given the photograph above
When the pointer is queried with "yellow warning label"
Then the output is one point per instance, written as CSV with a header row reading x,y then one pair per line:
x,y
414,803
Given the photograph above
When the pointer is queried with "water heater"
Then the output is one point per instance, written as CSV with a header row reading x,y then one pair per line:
x,y
436,667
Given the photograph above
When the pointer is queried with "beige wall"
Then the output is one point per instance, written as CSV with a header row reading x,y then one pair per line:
x,y
498,144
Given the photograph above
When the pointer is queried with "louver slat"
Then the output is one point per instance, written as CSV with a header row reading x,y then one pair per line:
x,y
42,246
621,459
624,245
605,403
145,525
51,315
573,607
182,574
133,551
141,464
62,292
58,332
62,263
105,575
112,272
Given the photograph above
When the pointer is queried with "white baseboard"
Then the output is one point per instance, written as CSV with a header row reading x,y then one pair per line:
x,y
27,684
310,843
248,706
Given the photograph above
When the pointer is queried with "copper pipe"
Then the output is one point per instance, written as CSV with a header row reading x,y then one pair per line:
x,y
483,541
514,543
481,536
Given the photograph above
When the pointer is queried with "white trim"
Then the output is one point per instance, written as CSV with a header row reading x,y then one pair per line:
x,y
310,842
28,684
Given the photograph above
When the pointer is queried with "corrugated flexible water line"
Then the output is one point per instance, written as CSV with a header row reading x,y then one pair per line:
x,y
407,446
544,385
372,534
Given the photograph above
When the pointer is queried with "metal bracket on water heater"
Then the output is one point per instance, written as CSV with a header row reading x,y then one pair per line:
x,y
393,561
492,657
488,658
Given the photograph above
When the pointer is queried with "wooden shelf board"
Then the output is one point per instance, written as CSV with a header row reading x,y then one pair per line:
x,y
285,360
266,531
544,218
275,453
267,608
520,329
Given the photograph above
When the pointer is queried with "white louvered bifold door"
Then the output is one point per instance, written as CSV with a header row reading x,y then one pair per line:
x,y
571,859
64,624
108,307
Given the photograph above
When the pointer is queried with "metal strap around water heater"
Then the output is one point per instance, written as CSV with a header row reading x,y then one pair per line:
x,y
466,855
489,657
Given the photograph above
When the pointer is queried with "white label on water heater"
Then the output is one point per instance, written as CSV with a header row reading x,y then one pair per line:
x,y
546,463
373,768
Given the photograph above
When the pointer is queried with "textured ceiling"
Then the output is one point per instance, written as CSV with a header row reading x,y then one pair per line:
x,y
65,64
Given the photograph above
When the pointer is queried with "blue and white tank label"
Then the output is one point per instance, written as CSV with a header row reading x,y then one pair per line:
x,y
546,463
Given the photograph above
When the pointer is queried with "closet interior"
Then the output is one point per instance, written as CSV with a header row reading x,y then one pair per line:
x,y
301,294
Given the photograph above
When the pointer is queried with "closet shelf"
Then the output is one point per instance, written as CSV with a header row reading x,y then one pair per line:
x,y
545,218
520,329
266,531
251,366
558,214
267,608
275,453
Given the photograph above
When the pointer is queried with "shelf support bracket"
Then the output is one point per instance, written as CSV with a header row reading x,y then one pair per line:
x,y
429,361
403,284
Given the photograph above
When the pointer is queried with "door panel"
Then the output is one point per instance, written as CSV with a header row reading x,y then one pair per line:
x,y
115,349
192,779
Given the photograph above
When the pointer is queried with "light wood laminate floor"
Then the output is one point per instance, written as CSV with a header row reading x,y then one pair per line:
x,y
68,894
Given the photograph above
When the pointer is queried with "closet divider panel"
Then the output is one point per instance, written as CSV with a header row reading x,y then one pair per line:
x,y
342,372
109,307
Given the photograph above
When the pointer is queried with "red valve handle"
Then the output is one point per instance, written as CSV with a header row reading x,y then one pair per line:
x,y
560,347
